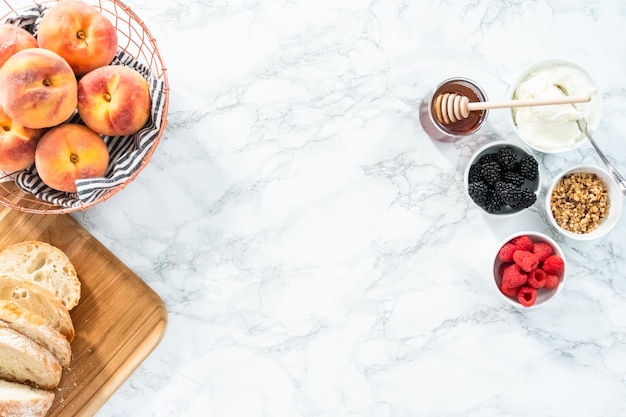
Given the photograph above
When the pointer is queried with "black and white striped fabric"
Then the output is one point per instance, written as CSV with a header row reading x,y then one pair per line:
x,y
126,153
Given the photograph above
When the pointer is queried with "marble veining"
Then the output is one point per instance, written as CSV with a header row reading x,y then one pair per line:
x,y
315,249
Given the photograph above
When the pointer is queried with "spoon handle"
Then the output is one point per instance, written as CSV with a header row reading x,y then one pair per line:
x,y
619,178
484,105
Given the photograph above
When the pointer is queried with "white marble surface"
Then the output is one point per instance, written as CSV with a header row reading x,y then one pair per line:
x,y
315,249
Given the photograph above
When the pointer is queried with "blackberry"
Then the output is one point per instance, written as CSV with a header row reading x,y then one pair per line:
x,y
509,193
528,167
488,157
478,191
494,204
490,172
496,179
473,174
528,198
514,178
507,157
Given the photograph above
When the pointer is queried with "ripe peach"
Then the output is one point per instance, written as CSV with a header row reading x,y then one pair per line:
x,y
17,144
14,39
79,33
69,152
38,89
114,100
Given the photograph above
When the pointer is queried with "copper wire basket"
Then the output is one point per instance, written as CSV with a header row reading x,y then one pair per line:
x,y
135,40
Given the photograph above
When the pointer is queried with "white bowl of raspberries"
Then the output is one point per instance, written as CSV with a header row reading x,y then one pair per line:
x,y
502,179
528,269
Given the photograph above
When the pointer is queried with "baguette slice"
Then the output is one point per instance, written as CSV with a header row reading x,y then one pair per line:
x,y
19,400
31,325
39,301
22,360
45,265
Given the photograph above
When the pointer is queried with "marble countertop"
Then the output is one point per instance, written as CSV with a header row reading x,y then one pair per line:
x,y
315,249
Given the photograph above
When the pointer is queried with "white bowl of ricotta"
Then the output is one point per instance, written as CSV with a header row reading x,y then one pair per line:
x,y
553,128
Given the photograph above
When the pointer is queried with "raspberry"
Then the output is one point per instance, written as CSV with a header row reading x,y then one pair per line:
x,y
523,242
542,250
537,278
509,292
553,265
552,281
506,252
527,295
513,276
526,260
503,266
528,268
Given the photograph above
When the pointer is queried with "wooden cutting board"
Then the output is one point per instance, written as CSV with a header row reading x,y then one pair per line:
x,y
119,319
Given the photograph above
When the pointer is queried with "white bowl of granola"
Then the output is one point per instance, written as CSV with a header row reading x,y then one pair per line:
x,y
584,203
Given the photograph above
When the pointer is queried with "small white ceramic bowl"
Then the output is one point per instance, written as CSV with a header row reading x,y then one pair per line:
x,y
615,198
571,77
543,295
493,147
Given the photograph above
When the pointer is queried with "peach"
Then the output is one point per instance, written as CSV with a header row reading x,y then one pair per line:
x,y
14,39
17,144
69,152
114,100
79,33
38,89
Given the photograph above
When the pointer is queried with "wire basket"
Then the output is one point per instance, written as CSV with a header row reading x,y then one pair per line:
x,y
139,49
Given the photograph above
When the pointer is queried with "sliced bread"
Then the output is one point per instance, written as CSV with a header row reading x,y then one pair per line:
x,y
45,265
22,360
39,301
32,325
19,400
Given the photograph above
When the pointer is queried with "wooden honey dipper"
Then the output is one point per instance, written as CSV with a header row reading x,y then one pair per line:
x,y
450,108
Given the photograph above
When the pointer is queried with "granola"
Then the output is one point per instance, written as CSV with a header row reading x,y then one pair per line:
x,y
579,202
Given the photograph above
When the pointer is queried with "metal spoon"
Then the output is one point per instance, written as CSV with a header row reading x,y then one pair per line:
x,y
619,178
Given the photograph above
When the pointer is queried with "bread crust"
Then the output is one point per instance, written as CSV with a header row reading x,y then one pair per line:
x,y
19,400
38,288
24,361
32,325
39,301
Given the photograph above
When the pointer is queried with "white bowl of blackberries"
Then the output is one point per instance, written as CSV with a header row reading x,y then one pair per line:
x,y
502,179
